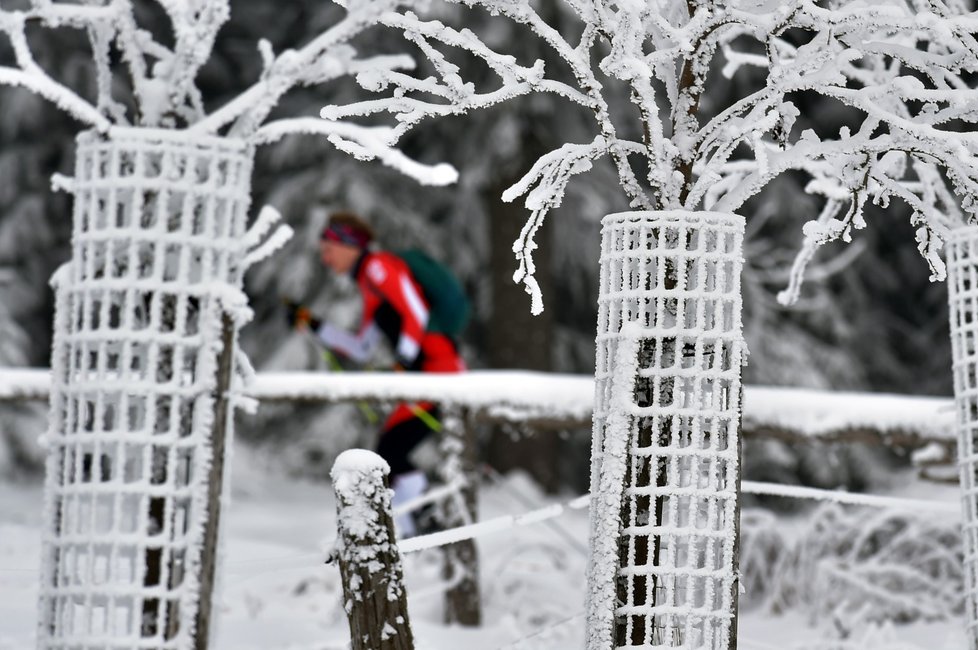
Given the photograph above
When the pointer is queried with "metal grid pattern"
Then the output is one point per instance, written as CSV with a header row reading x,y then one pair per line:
x,y
158,221
962,295
665,461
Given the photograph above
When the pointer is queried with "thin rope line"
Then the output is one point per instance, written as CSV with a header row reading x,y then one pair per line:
x,y
494,525
850,498
499,524
505,522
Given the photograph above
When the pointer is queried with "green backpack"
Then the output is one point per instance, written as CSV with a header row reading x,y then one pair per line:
x,y
448,305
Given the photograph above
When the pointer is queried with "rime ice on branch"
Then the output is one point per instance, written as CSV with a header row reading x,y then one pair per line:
x,y
163,78
907,68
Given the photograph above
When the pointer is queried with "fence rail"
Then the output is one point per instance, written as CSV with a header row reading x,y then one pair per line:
x,y
549,400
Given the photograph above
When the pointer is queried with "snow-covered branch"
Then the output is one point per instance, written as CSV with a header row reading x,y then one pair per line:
x,y
363,143
30,75
544,187
447,94
195,27
907,69
904,70
164,78
326,57
905,73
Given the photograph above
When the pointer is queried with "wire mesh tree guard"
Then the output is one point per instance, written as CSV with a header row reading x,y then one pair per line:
x,y
143,356
149,308
962,295
665,458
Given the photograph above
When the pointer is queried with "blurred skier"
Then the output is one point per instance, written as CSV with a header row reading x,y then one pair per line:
x,y
418,307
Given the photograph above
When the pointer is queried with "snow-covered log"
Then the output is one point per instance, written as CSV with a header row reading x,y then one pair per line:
x,y
794,415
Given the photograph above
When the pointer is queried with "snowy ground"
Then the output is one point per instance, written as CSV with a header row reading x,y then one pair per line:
x,y
279,596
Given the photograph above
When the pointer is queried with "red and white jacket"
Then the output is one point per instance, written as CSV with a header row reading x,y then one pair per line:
x,y
395,308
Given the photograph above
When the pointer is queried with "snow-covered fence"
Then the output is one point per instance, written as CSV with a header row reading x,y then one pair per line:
x,y
665,459
794,415
883,557
141,373
370,564
962,291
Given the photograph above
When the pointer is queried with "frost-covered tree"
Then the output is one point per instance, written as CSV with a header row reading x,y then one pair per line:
x,y
904,67
146,374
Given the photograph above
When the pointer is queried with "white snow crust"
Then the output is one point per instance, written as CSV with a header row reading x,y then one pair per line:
x,y
524,394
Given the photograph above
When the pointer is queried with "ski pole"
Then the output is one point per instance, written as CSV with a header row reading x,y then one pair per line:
x,y
430,420
331,361
426,417
335,366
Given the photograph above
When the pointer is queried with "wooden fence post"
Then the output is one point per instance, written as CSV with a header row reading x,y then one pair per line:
x,y
462,602
223,412
370,564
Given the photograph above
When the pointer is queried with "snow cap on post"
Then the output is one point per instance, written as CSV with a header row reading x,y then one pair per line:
x,y
354,464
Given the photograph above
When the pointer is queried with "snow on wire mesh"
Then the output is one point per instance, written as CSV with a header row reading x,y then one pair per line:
x,y
962,294
159,222
665,461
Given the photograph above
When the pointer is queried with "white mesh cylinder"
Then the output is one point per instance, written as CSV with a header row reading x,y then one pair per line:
x,y
665,457
156,248
962,294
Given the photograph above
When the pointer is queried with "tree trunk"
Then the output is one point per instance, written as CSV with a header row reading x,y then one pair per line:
x,y
517,339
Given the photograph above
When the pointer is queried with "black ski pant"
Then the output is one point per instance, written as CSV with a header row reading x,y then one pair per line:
x,y
397,443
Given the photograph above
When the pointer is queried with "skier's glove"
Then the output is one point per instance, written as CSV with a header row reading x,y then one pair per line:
x,y
299,317
403,364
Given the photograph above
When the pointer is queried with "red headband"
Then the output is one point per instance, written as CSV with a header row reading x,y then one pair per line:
x,y
346,234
